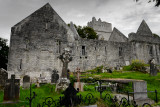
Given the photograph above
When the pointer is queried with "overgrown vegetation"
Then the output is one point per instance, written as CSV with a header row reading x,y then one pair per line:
x,y
136,65
92,76
44,91
3,53
86,32
153,82
96,70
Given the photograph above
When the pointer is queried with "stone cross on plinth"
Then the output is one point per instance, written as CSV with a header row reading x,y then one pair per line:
x,y
78,85
63,82
11,90
65,58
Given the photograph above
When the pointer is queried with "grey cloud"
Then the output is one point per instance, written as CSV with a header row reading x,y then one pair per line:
x,y
126,15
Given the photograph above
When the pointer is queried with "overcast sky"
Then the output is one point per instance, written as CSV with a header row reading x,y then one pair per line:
x,y
125,15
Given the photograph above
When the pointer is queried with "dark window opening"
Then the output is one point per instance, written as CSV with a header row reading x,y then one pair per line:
x,y
95,48
151,50
83,50
40,75
86,57
58,47
120,51
20,66
80,57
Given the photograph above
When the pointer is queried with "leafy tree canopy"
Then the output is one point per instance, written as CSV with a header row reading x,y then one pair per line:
x,y
86,32
3,53
155,35
157,2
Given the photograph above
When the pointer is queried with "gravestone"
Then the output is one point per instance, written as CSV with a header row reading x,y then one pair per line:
x,y
78,85
153,68
11,90
55,76
139,88
3,77
26,82
140,93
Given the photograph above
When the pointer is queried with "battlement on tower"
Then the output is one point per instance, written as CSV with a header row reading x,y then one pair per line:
x,y
102,28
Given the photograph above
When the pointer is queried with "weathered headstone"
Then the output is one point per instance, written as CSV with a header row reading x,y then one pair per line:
x,y
11,90
153,68
26,82
140,93
78,85
140,89
55,76
3,77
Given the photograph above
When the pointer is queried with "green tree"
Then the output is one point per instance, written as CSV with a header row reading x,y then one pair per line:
x,y
86,32
155,35
3,53
89,33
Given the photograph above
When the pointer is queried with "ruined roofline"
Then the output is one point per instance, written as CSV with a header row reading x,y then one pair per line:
x,y
31,15
28,17
98,21
120,32
144,29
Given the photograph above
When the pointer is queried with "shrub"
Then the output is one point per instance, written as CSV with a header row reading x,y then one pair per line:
x,y
89,80
127,68
72,79
89,88
138,65
96,70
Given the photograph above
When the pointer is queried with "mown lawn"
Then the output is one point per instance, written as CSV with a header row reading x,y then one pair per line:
x,y
48,90
44,91
153,82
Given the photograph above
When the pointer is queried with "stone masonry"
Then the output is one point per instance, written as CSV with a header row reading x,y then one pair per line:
x,y
38,40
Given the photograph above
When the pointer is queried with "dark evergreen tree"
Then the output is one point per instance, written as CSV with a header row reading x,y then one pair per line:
x,y
3,53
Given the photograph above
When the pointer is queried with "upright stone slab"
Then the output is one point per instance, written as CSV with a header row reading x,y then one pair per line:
x,y
140,93
26,82
153,68
11,90
55,76
139,87
3,77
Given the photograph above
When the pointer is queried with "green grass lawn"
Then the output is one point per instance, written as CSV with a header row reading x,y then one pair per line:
x,y
153,82
42,93
49,90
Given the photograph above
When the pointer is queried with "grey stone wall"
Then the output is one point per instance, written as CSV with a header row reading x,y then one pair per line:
x,y
99,52
38,40
117,36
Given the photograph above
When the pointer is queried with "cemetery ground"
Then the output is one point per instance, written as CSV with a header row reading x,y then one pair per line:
x,y
48,90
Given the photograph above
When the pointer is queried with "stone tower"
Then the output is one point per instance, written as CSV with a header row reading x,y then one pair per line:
x,y
103,29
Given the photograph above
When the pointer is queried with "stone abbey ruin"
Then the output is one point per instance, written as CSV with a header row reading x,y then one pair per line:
x,y
38,40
